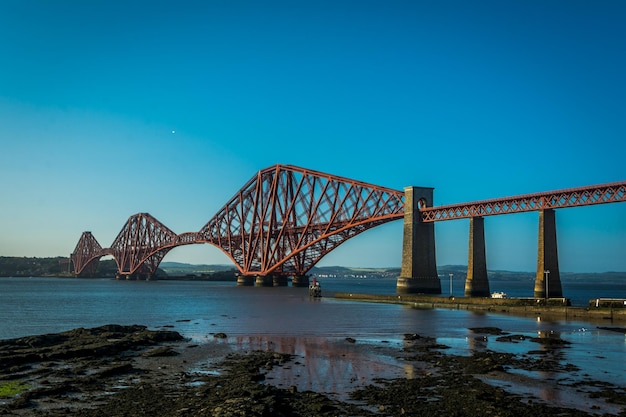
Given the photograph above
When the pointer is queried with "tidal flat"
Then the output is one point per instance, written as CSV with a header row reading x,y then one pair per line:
x,y
134,371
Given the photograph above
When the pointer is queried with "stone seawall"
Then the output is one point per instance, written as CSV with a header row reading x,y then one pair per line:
x,y
552,309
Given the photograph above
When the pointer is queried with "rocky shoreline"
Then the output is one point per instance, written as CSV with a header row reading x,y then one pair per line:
x,y
133,371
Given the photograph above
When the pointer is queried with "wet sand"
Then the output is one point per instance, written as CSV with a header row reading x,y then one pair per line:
x,y
134,371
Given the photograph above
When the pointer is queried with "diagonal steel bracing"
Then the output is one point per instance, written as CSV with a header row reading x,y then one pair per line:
x,y
286,218
87,254
572,197
141,244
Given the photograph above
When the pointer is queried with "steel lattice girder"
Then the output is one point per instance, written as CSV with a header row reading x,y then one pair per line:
x,y
141,244
86,254
286,218
572,197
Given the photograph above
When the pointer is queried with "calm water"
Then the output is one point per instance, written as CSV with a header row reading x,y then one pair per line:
x,y
254,317
43,305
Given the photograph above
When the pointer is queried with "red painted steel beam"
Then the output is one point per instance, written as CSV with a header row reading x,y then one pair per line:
x,y
86,254
139,247
572,197
287,218
142,243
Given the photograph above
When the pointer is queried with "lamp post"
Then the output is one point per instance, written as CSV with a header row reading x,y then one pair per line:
x,y
546,273
451,275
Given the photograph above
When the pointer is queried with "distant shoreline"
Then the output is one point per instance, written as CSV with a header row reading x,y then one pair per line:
x,y
168,278
11,266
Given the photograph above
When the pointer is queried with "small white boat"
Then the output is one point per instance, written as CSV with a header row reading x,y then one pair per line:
x,y
498,294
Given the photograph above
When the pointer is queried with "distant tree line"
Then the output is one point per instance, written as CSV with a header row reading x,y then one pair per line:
x,y
230,275
60,267
33,267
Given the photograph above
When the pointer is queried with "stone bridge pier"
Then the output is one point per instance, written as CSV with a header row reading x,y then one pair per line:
x,y
300,281
477,281
245,280
548,278
419,266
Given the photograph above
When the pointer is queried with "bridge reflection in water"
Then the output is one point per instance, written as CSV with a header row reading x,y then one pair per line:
x,y
329,365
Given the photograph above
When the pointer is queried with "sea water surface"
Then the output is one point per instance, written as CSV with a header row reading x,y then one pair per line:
x,y
288,320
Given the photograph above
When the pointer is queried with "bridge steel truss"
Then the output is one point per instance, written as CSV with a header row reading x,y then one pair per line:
x,y
281,223
142,244
86,254
284,220
573,197
138,248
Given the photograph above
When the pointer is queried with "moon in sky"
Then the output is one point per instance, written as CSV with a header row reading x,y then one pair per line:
x,y
173,131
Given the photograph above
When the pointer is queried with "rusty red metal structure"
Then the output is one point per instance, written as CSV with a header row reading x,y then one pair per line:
x,y
87,254
286,218
142,243
139,248
571,197
281,222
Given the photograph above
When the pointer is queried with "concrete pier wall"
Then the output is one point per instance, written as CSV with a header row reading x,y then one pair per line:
x,y
245,280
477,282
548,278
264,281
300,281
419,266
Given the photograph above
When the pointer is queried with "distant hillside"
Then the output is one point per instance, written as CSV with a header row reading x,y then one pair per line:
x,y
351,272
178,268
33,267
13,266
59,266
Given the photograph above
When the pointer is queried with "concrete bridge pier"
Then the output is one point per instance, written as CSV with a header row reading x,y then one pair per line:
x,y
264,281
280,281
419,267
548,278
127,277
300,281
477,281
245,280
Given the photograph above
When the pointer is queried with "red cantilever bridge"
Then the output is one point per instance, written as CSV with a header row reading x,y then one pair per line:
x,y
281,222
286,218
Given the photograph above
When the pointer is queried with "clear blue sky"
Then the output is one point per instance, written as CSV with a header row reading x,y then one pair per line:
x,y
478,99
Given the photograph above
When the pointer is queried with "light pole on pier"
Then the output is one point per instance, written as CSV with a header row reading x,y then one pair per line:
x,y
451,275
546,273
